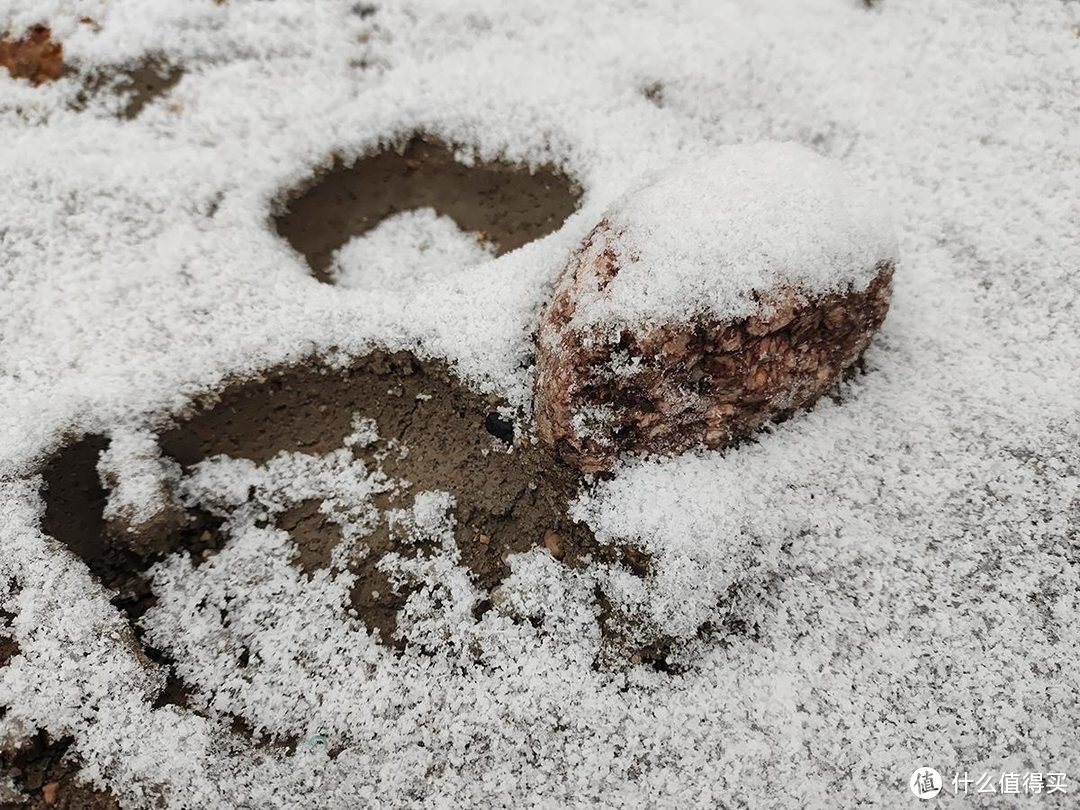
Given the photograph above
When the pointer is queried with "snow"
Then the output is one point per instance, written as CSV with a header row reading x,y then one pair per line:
x,y
704,237
430,246
138,478
904,559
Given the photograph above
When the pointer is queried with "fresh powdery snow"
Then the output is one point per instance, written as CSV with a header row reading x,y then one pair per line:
x,y
703,237
405,249
886,582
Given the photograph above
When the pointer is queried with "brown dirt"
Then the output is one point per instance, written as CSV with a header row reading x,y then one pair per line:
x,y
36,56
146,82
75,499
141,84
48,780
506,502
506,203
74,507
8,647
314,533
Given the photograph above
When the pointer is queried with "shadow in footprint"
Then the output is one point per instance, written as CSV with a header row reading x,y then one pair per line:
x,y
75,500
506,203
74,514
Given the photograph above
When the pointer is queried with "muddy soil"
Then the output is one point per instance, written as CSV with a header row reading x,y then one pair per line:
x,y
147,82
48,780
506,204
141,84
509,498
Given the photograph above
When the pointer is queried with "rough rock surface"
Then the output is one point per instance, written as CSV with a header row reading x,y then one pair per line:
x,y
664,385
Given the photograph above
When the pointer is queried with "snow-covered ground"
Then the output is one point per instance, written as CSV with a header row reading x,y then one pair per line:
x,y
912,548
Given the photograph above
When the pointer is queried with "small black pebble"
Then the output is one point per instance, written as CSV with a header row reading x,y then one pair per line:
x,y
500,427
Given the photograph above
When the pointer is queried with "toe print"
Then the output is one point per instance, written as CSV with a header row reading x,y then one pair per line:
x,y
502,205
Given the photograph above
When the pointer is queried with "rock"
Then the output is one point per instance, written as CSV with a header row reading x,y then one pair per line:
x,y
49,791
554,545
715,299
36,56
